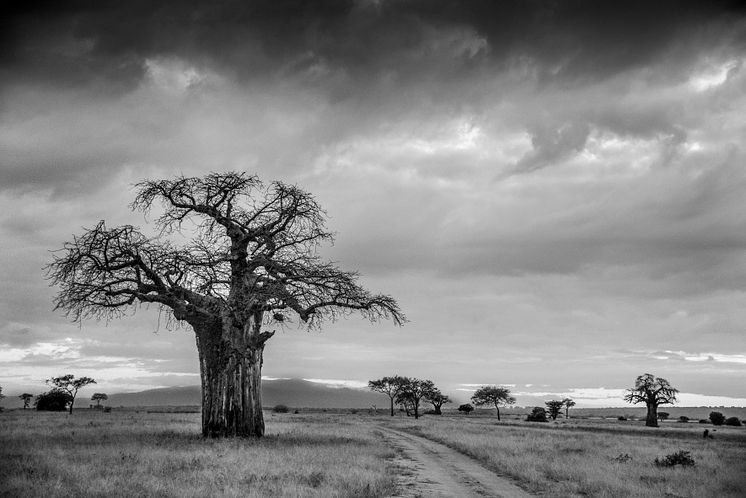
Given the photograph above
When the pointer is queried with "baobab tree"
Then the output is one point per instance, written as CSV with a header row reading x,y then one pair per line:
x,y
26,398
69,384
390,386
252,262
493,395
653,391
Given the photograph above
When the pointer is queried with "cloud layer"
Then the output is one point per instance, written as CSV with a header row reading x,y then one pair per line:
x,y
554,191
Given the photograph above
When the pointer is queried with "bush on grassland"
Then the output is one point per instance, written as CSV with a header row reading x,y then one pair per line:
x,y
717,418
55,400
538,414
280,409
732,421
683,458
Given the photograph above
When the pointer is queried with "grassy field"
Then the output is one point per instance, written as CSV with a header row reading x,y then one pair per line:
x,y
598,458
130,453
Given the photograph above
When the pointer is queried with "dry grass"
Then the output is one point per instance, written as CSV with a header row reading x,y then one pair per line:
x,y
580,459
161,454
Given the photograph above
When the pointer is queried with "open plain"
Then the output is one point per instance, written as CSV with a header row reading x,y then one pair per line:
x,y
345,454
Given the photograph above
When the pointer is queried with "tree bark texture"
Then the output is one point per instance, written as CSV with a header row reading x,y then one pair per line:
x,y
231,372
652,416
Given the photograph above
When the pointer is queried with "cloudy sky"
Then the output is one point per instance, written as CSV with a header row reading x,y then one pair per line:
x,y
554,191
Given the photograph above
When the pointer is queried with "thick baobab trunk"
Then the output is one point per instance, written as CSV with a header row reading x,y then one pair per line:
x,y
231,371
651,420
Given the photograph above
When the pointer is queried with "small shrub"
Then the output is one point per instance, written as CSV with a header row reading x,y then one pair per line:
x,y
733,421
663,415
623,458
683,419
280,409
466,408
296,412
621,418
681,457
107,409
538,414
717,418
704,421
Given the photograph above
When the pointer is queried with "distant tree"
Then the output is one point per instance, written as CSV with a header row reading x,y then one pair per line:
x,y
99,397
684,419
466,408
251,260
555,408
412,393
493,395
653,391
569,403
663,415
26,397
70,385
390,386
732,421
1,397
437,399
717,418
538,414
55,400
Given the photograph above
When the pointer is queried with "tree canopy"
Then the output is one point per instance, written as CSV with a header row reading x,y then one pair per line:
x,y
247,238
390,386
493,395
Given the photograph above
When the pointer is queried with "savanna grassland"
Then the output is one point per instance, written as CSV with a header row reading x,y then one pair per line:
x,y
131,453
596,458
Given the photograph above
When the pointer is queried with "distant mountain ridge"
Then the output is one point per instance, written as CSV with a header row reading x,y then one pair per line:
x,y
291,392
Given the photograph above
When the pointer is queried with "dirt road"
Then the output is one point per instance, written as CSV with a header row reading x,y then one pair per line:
x,y
430,469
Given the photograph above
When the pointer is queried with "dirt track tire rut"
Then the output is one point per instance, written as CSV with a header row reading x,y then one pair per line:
x,y
431,469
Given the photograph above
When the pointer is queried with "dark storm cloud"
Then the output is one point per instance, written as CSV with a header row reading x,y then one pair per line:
x,y
83,42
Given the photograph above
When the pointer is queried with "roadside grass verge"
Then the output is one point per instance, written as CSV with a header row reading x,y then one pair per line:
x,y
569,461
123,454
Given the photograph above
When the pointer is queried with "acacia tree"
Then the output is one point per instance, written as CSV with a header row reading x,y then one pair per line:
x,y
251,262
493,395
99,397
555,407
569,403
70,385
26,397
437,399
412,393
390,386
653,391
